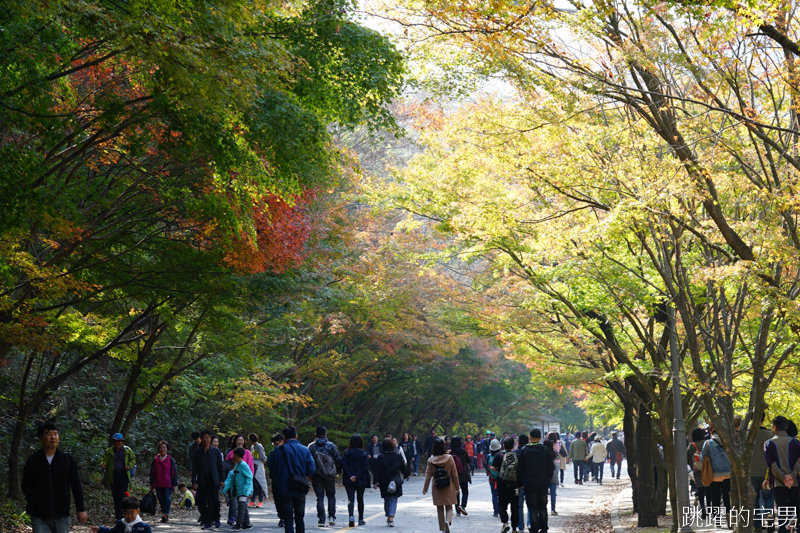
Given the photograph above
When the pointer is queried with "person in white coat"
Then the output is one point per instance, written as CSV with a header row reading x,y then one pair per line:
x,y
598,454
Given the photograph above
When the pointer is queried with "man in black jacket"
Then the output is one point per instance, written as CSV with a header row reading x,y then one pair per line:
x,y
616,451
48,476
208,475
536,465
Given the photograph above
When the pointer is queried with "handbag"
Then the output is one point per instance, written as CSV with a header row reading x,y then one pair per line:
x,y
707,471
296,482
394,484
148,503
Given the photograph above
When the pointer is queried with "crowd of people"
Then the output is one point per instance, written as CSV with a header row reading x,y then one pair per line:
x,y
522,471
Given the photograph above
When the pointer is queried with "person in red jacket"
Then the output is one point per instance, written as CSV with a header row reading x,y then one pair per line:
x,y
163,478
469,445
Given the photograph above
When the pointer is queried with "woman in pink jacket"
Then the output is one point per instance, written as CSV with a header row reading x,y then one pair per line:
x,y
163,478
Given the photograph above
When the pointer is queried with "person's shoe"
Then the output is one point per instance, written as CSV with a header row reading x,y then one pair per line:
x,y
260,504
331,521
600,481
281,523
352,522
251,504
207,526
217,524
231,522
164,518
247,527
461,510
237,527
562,485
390,521
322,524
495,515
553,512
505,528
362,523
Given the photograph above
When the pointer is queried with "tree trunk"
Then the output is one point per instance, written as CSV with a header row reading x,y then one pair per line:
x,y
14,474
630,452
742,493
648,507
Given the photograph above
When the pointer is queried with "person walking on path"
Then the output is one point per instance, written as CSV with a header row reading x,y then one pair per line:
x,y
417,447
429,442
616,452
464,476
260,490
522,441
504,469
328,465
559,448
355,477
758,465
47,479
781,454
208,476
469,445
191,449
163,478
288,466
494,448
720,488
390,472
578,451
598,454
277,442
237,441
695,462
118,461
239,484
442,469
550,445
536,466
374,451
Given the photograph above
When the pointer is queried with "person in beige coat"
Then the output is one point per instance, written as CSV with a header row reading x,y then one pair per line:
x,y
443,498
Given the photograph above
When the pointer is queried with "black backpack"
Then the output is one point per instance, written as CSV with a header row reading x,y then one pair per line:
x,y
441,477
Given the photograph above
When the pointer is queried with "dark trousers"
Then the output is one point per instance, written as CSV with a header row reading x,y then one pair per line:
x,y
323,488
598,471
373,465
759,507
164,499
588,469
355,492
258,492
619,466
786,498
536,499
509,497
242,512
278,505
579,467
294,508
118,489
464,494
208,502
720,490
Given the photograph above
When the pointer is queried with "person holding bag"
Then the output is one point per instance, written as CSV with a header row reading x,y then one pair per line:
x,y
390,472
290,466
442,469
717,466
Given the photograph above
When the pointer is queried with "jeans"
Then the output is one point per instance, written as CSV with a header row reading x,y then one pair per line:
x,y
415,462
495,501
786,498
508,497
258,492
521,521
553,487
537,508
118,489
390,505
208,502
766,495
242,514
354,492
579,467
598,470
464,494
164,499
293,510
323,488
50,525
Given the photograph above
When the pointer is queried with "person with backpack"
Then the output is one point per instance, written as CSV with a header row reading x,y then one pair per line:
x,y
355,477
720,488
504,470
389,473
329,465
695,461
536,467
163,478
616,451
781,454
578,451
462,460
494,448
598,454
442,470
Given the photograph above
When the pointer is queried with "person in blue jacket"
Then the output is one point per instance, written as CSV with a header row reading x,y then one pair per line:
x,y
288,465
240,484
130,521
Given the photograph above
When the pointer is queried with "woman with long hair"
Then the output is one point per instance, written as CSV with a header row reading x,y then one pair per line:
x,y
464,477
442,469
390,471
355,477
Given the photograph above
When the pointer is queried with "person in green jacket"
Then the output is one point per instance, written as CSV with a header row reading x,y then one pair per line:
x,y
118,461
578,450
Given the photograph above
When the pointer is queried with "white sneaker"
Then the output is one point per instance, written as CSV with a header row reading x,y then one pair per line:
x,y
505,528
331,521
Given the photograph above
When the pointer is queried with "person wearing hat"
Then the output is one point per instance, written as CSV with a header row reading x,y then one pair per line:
x,y
598,454
494,449
118,461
